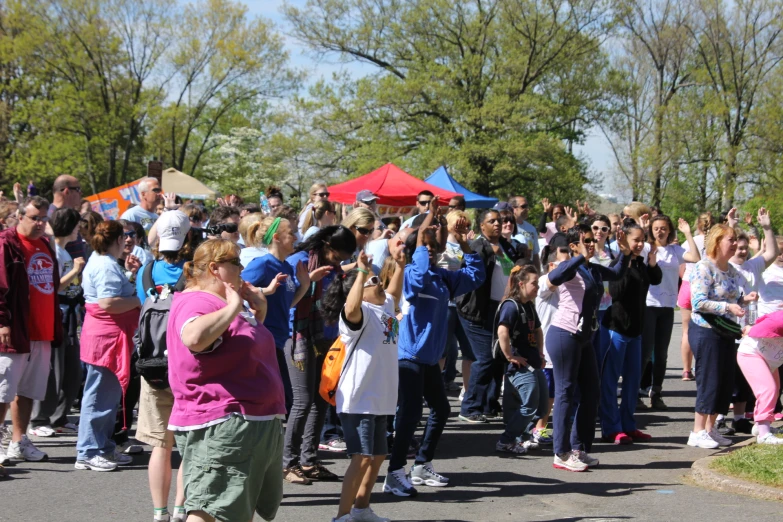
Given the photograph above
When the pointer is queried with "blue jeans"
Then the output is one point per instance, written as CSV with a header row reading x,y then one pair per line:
x,y
102,396
418,380
574,367
600,341
485,374
525,400
623,358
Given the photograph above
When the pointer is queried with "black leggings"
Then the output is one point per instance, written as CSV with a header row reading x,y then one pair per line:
x,y
657,332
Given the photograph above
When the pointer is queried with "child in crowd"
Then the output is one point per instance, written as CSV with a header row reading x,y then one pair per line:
x,y
525,396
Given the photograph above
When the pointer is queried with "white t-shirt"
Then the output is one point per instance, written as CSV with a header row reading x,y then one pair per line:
x,y
750,271
771,349
699,240
141,216
771,290
499,282
528,235
664,295
369,380
546,306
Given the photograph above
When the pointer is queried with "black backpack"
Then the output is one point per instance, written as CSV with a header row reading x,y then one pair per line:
x,y
497,353
150,339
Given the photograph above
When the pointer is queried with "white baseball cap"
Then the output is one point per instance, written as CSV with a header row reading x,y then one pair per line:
x,y
172,226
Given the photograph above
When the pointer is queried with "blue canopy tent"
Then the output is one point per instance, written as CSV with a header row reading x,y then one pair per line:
x,y
441,178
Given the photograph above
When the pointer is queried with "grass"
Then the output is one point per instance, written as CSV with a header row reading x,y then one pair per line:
x,y
759,463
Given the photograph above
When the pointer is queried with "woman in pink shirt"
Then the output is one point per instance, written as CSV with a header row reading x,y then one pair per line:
x,y
228,394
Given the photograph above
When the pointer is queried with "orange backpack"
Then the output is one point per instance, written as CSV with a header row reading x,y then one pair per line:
x,y
332,370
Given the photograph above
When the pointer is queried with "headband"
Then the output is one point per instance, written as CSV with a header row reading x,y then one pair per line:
x,y
271,231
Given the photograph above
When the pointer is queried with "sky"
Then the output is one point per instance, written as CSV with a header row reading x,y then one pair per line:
x,y
595,149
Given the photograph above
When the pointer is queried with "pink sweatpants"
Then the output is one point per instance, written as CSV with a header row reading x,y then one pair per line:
x,y
764,382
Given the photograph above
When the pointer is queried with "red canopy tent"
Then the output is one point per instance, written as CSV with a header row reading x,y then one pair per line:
x,y
393,186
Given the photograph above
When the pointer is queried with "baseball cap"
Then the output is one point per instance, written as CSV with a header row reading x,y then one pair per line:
x,y
366,196
172,226
501,205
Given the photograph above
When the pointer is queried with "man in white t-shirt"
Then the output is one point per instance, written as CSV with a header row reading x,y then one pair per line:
x,y
149,198
526,233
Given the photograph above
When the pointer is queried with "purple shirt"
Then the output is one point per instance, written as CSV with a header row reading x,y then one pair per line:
x,y
239,375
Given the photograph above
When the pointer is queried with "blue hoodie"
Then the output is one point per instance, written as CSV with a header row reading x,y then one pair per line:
x,y
427,290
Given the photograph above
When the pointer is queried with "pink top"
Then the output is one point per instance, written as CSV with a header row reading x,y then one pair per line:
x,y
551,230
572,295
238,375
770,325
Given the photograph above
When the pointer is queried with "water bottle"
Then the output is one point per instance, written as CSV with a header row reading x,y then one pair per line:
x,y
752,313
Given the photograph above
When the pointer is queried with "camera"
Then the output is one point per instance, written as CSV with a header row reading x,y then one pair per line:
x,y
216,230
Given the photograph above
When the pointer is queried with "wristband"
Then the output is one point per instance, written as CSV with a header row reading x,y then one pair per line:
x,y
363,271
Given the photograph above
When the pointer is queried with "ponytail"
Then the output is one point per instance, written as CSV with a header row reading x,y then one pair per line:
x,y
337,293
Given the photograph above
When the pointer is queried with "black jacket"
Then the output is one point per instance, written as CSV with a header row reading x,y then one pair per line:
x,y
629,297
476,306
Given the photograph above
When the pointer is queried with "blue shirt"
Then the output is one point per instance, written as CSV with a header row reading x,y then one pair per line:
x,y
163,273
103,278
331,331
427,290
260,273
138,215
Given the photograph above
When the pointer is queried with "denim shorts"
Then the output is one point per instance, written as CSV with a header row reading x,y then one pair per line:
x,y
364,434
550,381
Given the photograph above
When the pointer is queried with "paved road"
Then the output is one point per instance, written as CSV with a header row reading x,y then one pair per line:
x,y
637,482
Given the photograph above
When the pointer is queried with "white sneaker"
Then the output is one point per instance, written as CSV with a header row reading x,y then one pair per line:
x,y
425,474
769,438
25,450
398,483
755,430
720,439
96,463
587,459
3,436
529,445
702,440
129,448
569,462
41,431
120,458
366,515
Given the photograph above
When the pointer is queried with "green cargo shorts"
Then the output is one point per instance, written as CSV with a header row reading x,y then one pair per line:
x,y
233,468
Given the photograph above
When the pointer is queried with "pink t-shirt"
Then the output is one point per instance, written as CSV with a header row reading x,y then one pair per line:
x,y
240,375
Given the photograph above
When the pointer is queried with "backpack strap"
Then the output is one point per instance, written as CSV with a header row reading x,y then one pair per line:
x,y
350,354
520,311
181,282
146,279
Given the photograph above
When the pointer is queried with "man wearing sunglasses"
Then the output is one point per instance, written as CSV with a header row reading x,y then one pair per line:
x,y
67,194
422,205
366,199
226,219
526,233
150,195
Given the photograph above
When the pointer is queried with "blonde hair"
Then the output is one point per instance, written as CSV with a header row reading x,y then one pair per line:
x,y
193,212
314,188
317,212
210,251
359,217
636,210
705,222
716,235
453,216
248,229
387,271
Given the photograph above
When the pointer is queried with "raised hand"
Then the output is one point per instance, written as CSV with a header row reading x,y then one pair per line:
x,y
363,261
644,221
683,226
319,273
749,218
622,242
276,282
460,229
763,218
132,263
731,217
547,206
434,206
233,299
170,200
572,215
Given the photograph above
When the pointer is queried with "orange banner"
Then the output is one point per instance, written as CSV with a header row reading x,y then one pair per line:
x,y
113,202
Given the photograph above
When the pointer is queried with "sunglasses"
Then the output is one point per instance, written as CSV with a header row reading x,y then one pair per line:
x,y
38,219
596,228
425,203
76,189
157,190
364,231
520,206
586,241
508,220
130,233
234,261
322,194
373,281
455,207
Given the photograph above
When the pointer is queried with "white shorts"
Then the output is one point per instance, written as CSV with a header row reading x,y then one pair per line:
x,y
25,374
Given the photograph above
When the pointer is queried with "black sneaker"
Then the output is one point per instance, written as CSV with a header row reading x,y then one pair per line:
x,y
742,426
723,428
640,405
657,403
473,419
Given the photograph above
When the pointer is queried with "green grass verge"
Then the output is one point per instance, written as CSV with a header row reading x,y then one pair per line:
x,y
759,463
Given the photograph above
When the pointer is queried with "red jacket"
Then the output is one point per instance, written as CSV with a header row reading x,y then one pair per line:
x,y
15,293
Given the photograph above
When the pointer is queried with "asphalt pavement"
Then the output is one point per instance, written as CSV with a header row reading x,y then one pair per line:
x,y
635,482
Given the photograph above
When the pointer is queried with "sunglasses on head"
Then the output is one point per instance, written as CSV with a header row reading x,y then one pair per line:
x,y
372,281
596,228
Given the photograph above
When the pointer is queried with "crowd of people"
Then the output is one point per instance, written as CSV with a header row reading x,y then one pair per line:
x,y
216,326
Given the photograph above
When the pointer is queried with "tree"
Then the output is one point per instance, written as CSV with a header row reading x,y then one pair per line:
x,y
498,90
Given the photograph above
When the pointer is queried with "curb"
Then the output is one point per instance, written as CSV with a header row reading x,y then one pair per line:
x,y
704,476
